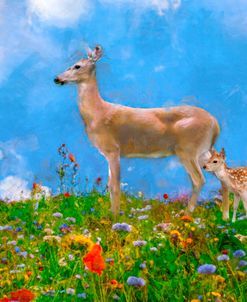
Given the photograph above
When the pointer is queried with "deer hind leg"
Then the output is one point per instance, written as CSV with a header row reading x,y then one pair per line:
x,y
114,181
225,201
235,206
194,170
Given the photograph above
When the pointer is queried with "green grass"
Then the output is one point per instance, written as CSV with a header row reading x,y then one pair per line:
x,y
171,271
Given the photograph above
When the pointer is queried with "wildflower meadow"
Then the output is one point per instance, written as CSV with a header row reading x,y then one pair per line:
x,y
69,247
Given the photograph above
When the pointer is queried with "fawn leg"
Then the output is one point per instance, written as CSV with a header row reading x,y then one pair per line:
x,y
114,181
235,206
225,201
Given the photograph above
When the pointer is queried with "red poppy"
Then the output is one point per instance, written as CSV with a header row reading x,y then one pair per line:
x,y
35,186
225,252
66,194
165,196
98,180
6,300
72,157
22,295
94,261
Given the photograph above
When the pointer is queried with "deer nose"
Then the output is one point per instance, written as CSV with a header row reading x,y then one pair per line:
x,y
56,80
204,167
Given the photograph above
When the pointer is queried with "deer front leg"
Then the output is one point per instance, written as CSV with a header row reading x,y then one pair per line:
x,y
235,206
114,181
197,178
225,201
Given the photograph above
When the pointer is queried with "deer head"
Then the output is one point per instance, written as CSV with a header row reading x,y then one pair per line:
x,y
82,70
216,161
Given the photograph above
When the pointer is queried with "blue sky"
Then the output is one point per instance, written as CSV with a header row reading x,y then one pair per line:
x,y
157,53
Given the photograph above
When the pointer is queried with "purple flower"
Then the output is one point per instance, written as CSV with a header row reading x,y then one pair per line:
x,y
134,281
139,243
23,254
223,258
153,249
242,263
121,227
206,269
143,265
143,217
239,254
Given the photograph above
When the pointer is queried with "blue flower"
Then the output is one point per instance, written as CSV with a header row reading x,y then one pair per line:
x,y
92,210
17,249
134,281
121,227
242,263
206,269
82,296
223,258
239,254
18,229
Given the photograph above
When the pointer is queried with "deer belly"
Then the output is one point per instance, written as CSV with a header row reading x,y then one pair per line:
x,y
158,154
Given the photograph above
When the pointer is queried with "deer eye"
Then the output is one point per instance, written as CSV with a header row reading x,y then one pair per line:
x,y
77,66
215,161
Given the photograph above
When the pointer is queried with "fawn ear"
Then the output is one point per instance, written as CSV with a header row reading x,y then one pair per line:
x,y
96,53
223,153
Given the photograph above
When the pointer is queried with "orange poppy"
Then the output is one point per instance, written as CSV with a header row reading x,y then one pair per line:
x,y
186,218
94,260
22,295
72,157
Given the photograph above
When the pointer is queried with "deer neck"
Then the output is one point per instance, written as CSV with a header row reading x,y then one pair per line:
x,y
90,102
222,173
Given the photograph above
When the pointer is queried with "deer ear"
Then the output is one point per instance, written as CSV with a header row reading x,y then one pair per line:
x,y
212,151
223,153
96,53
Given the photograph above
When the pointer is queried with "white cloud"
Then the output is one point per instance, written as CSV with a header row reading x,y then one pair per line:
x,y
232,14
25,39
12,162
13,188
60,13
173,164
159,68
160,6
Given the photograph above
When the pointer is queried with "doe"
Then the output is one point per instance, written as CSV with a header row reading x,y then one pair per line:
x,y
119,131
234,179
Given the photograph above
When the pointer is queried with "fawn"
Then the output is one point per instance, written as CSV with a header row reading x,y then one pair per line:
x,y
234,179
120,131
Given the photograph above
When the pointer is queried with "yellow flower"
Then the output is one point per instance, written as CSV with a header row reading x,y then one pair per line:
x,y
215,294
193,229
73,238
100,199
175,233
195,300
216,239
219,278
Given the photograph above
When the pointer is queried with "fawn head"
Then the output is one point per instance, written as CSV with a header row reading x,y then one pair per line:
x,y
216,161
82,70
